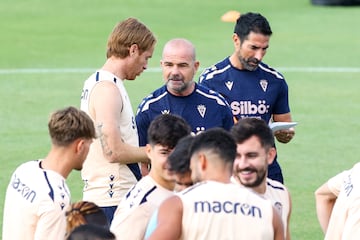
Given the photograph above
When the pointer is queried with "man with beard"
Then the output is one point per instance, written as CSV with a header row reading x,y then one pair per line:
x,y
112,166
255,150
252,88
200,107
215,208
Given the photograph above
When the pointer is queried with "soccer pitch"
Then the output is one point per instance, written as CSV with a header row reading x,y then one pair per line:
x,y
49,48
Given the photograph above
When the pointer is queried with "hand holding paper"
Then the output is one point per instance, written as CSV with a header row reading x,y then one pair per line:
x,y
275,126
283,131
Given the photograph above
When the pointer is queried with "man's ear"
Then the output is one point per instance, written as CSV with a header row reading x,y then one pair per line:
x,y
236,40
79,145
148,149
196,65
271,155
202,161
134,48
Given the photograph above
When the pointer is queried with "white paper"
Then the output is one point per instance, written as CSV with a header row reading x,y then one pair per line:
x,y
275,126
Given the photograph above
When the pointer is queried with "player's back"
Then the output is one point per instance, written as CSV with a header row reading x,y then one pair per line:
x,y
35,204
213,210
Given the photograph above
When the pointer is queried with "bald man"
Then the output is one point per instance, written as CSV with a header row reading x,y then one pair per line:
x,y
201,107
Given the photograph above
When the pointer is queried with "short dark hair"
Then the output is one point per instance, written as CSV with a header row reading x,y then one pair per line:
x,y
245,128
167,129
251,22
91,232
217,140
68,124
179,159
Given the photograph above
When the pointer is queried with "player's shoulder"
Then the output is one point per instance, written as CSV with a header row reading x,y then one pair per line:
x,y
215,69
156,93
253,196
29,166
144,185
192,189
153,97
356,167
219,65
210,94
146,182
274,185
102,76
353,174
205,90
267,70
29,174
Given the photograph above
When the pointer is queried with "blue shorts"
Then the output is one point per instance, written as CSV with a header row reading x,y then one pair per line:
x,y
109,212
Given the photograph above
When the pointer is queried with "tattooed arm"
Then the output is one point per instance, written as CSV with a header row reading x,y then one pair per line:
x,y
105,108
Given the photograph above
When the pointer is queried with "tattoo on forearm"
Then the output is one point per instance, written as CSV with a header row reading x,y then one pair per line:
x,y
103,140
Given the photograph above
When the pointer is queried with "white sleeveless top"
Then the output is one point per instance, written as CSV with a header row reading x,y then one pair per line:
x,y
106,183
137,208
278,194
213,210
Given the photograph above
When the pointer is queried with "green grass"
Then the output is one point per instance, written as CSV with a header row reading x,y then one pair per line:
x,y
73,34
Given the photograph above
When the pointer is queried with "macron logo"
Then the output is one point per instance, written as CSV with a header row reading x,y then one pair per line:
x,y
229,84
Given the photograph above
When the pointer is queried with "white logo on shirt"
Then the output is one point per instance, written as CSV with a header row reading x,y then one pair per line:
x,y
229,84
165,111
264,84
248,107
201,109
